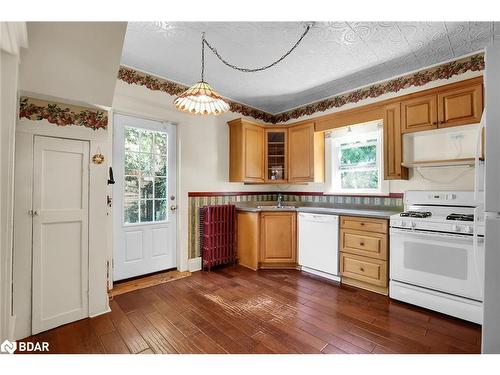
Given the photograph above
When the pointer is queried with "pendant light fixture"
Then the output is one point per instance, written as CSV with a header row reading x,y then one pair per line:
x,y
202,99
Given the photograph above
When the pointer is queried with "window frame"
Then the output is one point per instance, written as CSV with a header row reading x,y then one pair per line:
x,y
333,156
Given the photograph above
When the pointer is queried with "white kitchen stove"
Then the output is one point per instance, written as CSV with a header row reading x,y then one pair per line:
x,y
446,219
437,252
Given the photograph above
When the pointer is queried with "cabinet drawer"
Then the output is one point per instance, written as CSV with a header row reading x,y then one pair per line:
x,y
369,244
371,271
364,224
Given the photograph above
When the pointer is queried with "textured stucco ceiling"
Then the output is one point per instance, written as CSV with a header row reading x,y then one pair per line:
x,y
334,57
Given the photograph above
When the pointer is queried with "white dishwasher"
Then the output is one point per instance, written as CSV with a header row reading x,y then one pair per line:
x,y
319,244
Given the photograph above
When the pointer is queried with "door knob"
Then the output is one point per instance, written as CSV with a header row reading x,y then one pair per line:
x,y
173,207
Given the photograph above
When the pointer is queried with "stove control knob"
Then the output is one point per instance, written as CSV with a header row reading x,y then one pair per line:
x,y
413,225
403,223
455,228
468,229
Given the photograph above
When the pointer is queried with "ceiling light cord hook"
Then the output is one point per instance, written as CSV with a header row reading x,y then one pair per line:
x,y
249,70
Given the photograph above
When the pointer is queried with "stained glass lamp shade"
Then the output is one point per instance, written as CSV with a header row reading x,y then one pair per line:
x,y
201,99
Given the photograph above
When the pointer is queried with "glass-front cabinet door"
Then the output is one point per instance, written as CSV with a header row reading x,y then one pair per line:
x,y
276,155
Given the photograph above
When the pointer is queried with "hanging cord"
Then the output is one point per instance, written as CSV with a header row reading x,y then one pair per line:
x,y
247,70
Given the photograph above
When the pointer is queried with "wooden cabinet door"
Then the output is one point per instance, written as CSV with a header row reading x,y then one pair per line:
x,y
393,145
247,237
301,153
278,237
253,153
460,106
418,114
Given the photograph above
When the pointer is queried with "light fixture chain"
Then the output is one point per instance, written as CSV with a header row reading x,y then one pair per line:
x,y
248,70
203,57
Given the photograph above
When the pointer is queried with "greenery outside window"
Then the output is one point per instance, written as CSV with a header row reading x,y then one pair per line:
x,y
356,160
145,178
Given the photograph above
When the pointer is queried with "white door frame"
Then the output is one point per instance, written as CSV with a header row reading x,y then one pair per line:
x,y
172,180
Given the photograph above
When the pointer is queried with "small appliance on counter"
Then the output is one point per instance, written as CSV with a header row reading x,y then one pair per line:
x,y
437,252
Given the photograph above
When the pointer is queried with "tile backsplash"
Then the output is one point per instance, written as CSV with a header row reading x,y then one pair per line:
x,y
197,200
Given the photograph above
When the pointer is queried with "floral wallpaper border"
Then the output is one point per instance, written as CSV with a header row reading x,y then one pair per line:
x,y
197,200
445,71
420,78
132,76
62,114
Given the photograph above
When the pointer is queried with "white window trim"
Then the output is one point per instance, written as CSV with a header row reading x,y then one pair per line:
x,y
333,174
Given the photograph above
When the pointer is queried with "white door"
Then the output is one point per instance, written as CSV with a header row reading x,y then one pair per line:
x,y
60,232
144,166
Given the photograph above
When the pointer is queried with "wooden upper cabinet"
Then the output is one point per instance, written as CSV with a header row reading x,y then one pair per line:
x,y
301,154
278,238
305,154
460,106
246,152
393,145
276,155
419,113
272,154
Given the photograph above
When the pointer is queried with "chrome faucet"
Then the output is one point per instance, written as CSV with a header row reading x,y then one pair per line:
x,y
279,204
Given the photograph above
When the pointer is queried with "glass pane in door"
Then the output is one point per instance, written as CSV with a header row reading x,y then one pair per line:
x,y
145,176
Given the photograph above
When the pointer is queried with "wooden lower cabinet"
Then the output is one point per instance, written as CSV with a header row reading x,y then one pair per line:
x,y
247,239
364,272
364,253
267,239
278,240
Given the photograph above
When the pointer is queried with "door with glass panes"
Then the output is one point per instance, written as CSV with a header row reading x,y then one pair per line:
x,y
144,195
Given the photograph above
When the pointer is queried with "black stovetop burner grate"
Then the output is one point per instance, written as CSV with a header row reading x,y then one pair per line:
x,y
418,214
460,217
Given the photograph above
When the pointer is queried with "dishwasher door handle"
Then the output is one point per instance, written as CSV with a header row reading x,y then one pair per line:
x,y
320,218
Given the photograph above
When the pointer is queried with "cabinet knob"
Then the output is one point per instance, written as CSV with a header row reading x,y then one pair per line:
x,y
361,269
361,244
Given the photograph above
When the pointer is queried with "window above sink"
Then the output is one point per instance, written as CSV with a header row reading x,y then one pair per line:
x,y
355,162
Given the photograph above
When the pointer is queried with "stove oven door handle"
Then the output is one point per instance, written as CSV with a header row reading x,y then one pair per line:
x,y
422,233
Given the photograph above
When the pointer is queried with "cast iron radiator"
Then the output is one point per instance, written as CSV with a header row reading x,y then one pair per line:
x,y
217,235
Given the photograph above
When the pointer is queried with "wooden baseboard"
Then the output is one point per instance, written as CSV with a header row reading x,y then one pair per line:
x,y
366,286
280,266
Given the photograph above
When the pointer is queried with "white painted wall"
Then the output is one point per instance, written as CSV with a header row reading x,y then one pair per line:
x,y
98,217
77,61
12,39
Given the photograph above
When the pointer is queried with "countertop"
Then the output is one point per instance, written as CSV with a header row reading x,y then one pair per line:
x,y
320,208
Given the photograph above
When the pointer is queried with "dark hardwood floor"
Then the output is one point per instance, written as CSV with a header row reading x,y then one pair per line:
x,y
235,310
